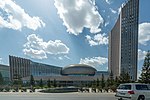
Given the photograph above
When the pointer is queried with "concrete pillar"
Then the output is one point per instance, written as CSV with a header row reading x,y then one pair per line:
x,y
90,90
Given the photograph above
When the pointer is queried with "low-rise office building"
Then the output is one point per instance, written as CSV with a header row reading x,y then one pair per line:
x,y
22,67
5,71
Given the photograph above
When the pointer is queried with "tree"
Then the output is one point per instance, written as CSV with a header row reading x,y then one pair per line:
x,y
54,83
97,82
1,79
17,81
108,82
145,75
41,83
20,83
111,78
115,84
94,84
116,81
32,82
49,83
102,82
124,77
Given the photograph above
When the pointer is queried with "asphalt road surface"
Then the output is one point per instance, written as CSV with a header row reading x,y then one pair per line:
x,y
57,96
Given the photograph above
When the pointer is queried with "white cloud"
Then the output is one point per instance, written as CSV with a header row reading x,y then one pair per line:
x,y
98,39
144,33
139,74
106,23
67,57
56,47
37,48
94,61
141,54
1,60
108,1
119,10
79,14
60,58
16,18
38,54
113,11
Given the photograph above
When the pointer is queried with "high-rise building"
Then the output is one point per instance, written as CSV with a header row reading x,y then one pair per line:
x,y
123,41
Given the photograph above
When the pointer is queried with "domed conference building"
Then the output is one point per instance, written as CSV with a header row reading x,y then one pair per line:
x,y
78,70
73,75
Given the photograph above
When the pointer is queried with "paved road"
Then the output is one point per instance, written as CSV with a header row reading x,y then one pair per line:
x,y
54,96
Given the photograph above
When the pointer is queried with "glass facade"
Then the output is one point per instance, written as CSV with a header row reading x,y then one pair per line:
x,y
39,69
20,67
4,69
127,41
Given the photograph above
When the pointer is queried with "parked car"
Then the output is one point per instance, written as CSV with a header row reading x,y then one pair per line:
x,y
133,91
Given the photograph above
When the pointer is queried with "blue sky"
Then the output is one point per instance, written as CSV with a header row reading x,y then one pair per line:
x,y
63,32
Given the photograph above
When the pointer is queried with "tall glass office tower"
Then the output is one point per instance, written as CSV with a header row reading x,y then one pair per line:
x,y
123,41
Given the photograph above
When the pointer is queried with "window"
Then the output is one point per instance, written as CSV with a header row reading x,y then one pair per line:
x,y
142,87
125,87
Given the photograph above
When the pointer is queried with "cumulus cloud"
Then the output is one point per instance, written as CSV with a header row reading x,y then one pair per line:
x,y
14,17
98,39
113,11
38,54
141,54
94,61
144,33
37,48
79,14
